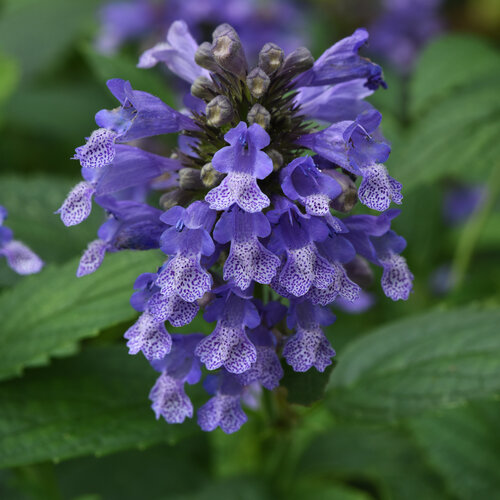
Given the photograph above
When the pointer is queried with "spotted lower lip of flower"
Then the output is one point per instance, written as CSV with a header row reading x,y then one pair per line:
x,y
243,205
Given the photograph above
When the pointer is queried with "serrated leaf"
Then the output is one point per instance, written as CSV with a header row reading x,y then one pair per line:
x,y
435,360
463,444
95,403
305,388
384,458
124,67
448,64
47,314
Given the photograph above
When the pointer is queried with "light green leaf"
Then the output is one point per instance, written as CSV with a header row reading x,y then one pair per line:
x,y
464,446
95,403
47,314
9,76
446,65
435,360
38,33
124,67
382,457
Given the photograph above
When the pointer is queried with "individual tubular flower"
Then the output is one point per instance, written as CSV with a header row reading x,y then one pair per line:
x,y
177,367
243,162
245,206
19,257
308,346
248,259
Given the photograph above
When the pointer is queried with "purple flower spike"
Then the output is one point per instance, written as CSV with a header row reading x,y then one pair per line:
x,y
20,258
169,400
242,204
148,336
248,259
243,162
99,149
222,411
177,53
78,204
308,347
228,345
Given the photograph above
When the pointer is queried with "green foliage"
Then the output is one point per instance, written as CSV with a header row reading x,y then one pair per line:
x,y
95,403
436,360
463,445
47,314
383,459
305,388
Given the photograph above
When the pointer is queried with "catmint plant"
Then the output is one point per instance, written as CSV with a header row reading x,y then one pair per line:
x,y
254,214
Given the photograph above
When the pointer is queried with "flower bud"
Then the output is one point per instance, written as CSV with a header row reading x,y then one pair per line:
x,y
203,88
228,51
219,111
175,197
359,271
297,62
189,178
209,176
260,115
270,58
204,57
348,197
258,82
277,158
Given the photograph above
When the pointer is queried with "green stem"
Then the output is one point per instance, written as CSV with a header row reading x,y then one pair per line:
x,y
472,230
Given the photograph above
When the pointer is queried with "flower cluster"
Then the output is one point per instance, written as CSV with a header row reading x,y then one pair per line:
x,y
19,257
253,208
257,22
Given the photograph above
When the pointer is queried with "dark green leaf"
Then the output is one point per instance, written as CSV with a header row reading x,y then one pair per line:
x,y
305,388
436,360
47,314
383,459
463,444
95,403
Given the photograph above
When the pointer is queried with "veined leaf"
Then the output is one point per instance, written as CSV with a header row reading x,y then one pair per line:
x,y
436,360
47,314
95,403
463,444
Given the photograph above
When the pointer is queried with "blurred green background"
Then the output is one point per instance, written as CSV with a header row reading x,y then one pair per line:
x,y
392,423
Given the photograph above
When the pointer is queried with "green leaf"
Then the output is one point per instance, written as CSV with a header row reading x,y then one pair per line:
x,y
446,65
464,446
38,33
95,403
325,490
122,66
435,360
9,76
383,459
47,314
305,388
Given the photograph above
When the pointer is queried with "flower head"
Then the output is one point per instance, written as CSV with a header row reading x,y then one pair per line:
x,y
244,206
